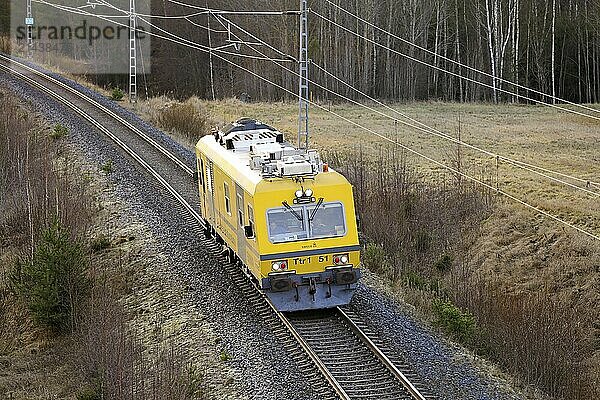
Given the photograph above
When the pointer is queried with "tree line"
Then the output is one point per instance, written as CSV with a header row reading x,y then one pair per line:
x,y
552,46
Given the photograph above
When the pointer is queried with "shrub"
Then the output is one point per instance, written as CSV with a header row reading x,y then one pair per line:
x,y
184,119
224,356
444,263
416,281
92,392
453,320
194,381
53,282
117,94
59,131
422,241
107,167
374,258
100,243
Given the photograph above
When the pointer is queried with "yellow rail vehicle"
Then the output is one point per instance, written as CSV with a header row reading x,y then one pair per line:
x,y
286,218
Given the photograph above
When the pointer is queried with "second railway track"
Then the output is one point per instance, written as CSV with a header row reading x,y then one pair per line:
x,y
336,345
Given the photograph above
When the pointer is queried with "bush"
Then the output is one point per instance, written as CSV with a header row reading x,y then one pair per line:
x,y
184,119
53,282
453,320
59,132
224,356
93,392
107,167
416,281
117,94
444,263
374,258
423,241
100,243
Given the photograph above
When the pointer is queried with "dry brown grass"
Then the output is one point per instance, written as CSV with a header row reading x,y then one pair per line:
x,y
533,290
538,135
187,120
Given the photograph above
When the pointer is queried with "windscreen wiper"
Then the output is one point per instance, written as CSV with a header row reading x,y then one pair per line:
x,y
290,209
312,215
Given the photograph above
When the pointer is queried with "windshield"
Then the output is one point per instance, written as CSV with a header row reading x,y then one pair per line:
x,y
321,220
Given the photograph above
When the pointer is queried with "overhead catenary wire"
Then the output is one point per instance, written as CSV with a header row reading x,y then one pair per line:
x,y
231,12
421,126
184,42
207,28
106,18
458,63
112,6
452,72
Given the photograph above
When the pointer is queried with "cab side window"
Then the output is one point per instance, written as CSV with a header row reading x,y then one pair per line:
x,y
240,207
227,198
201,169
251,218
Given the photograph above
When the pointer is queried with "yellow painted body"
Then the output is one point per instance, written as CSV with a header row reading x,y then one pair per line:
x,y
220,171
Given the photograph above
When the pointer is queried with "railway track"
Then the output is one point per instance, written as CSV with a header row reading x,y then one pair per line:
x,y
333,345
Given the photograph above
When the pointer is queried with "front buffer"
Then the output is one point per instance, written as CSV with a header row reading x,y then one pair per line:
x,y
333,287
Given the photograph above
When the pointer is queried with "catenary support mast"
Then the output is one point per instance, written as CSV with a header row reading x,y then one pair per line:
x,y
303,79
29,23
132,53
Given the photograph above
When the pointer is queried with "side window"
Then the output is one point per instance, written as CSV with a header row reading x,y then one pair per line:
x,y
251,217
240,207
227,198
201,169
209,177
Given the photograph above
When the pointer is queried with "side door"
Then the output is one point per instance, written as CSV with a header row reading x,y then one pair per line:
x,y
202,185
241,237
210,191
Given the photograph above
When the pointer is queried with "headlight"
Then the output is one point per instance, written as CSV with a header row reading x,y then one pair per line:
x,y
298,193
341,259
308,192
280,265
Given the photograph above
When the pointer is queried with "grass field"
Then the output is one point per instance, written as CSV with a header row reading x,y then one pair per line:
x,y
542,136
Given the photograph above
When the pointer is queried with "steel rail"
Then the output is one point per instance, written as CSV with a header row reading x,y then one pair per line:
x,y
414,392
310,352
101,107
337,387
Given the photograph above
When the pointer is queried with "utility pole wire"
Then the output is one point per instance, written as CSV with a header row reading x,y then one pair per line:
x,y
458,63
213,11
422,127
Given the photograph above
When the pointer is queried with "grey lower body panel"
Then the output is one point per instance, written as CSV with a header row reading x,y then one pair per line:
x,y
311,291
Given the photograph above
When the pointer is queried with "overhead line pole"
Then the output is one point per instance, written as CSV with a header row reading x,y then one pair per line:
x,y
29,23
132,53
303,90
